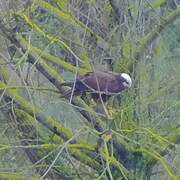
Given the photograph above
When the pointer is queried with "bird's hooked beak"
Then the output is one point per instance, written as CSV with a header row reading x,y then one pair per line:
x,y
128,82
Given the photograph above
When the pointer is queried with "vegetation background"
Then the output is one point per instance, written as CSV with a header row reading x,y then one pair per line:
x,y
46,42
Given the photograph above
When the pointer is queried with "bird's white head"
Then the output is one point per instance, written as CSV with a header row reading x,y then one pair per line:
x,y
128,82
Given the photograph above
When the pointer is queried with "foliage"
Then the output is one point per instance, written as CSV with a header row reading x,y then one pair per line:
x,y
44,135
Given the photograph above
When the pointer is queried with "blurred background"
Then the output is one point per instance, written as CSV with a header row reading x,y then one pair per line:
x,y
44,43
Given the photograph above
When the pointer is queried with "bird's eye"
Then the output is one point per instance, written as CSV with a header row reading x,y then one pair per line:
x,y
126,82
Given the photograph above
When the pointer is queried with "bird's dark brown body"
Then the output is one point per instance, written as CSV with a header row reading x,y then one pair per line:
x,y
104,82
101,83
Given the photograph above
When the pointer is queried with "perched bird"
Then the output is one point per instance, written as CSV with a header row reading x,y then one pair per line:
x,y
100,84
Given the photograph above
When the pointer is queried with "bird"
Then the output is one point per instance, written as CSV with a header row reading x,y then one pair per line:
x,y
100,84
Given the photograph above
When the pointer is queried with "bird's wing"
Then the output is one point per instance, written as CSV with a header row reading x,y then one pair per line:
x,y
109,82
97,81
